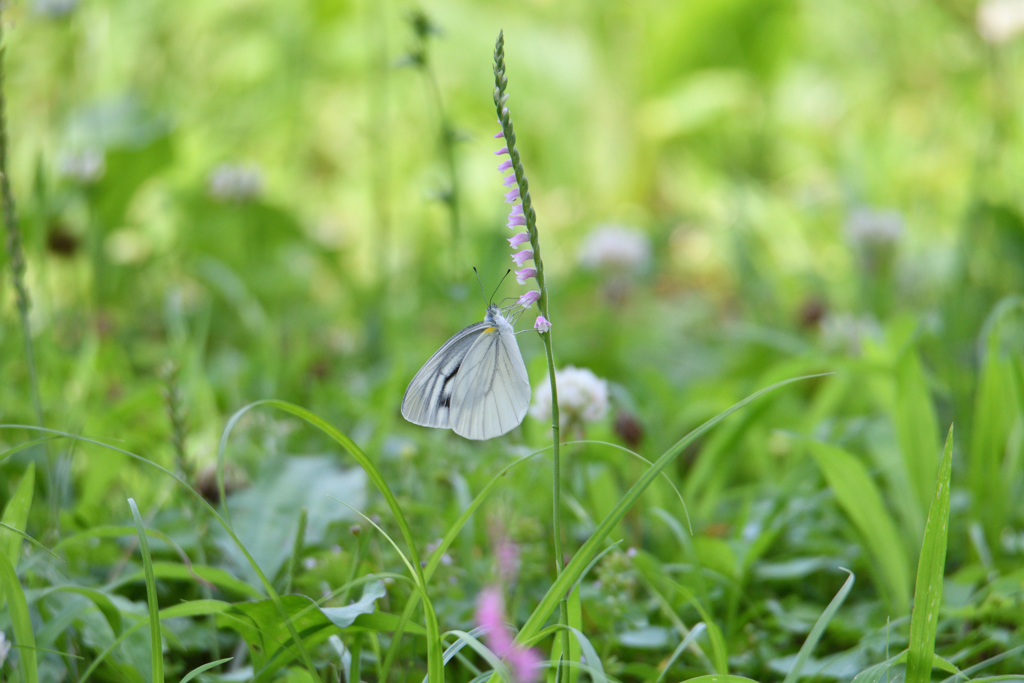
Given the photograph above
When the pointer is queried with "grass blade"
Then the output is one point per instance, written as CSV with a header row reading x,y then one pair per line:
x,y
156,640
21,622
860,499
819,629
930,571
205,667
16,515
592,546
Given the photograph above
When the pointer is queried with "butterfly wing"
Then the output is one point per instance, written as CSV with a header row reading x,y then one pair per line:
x,y
492,389
427,400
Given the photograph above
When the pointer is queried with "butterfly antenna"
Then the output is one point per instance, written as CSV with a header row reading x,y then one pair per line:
x,y
481,283
499,285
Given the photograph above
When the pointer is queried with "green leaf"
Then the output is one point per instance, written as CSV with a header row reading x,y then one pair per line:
x,y
860,500
102,601
21,622
818,630
16,515
930,571
720,678
917,427
156,638
270,644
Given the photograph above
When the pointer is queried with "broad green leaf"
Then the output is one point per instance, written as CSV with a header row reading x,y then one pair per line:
x,y
860,500
930,571
270,644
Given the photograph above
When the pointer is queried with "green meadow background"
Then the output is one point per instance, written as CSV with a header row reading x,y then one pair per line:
x,y
221,202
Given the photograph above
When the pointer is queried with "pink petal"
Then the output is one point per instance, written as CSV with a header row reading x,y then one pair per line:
x,y
503,150
522,256
516,240
542,325
505,165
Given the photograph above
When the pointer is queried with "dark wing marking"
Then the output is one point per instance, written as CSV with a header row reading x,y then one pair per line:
x,y
427,400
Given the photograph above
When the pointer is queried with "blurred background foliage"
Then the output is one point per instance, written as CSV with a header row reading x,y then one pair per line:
x,y
234,200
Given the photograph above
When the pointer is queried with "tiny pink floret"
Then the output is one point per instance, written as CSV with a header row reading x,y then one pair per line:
x,y
503,150
542,325
517,210
525,274
500,134
505,165
527,300
509,180
516,240
490,616
512,195
516,219
521,257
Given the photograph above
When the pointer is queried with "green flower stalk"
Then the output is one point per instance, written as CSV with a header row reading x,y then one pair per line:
x,y
419,57
14,248
523,214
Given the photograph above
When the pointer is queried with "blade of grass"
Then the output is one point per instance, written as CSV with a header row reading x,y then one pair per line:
x,y
435,649
917,427
155,637
697,629
930,570
21,622
819,629
205,667
860,500
593,544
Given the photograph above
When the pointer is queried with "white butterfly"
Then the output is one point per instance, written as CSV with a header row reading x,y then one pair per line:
x,y
476,383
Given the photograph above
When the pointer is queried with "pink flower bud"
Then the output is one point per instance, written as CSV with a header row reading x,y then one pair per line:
x,y
542,325
520,257
516,240
526,273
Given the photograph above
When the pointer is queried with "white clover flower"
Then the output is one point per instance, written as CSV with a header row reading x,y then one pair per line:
x,y
615,246
54,9
236,182
874,227
84,166
845,332
582,397
1000,20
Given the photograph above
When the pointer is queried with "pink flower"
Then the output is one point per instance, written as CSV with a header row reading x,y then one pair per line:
x,y
515,219
517,210
542,325
503,150
500,134
516,240
505,165
526,300
524,663
512,195
525,274
509,180
520,257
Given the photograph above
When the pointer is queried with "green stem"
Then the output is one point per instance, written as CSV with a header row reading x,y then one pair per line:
x,y
508,131
14,248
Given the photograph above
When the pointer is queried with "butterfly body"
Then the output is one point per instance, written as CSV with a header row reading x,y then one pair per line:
x,y
476,384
